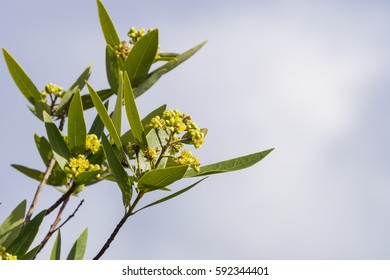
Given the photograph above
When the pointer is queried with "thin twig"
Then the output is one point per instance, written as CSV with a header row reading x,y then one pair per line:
x,y
61,199
70,217
112,237
118,227
45,178
39,189
53,226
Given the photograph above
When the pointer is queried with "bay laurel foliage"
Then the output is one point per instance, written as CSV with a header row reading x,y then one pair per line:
x,y
151,156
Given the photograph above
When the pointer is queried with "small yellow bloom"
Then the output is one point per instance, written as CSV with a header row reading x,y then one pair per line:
x,y
92,143
78,165
123,50
187,158
53,89
150,153
6,256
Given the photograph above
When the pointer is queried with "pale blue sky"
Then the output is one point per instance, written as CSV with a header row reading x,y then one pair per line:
x,y
309,78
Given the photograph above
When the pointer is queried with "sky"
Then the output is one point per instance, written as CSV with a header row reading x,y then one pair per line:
x,y
308,78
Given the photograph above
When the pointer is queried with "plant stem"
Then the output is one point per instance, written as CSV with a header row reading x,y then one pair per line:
x,y
53,227
112,237
39,190
64,197
118,227
46,176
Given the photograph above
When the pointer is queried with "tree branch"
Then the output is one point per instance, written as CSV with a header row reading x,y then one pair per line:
x,y
118,227
61,199
39,190
70,217
46,176
53,226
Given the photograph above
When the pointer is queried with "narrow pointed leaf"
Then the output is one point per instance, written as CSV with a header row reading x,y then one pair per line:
x,y
129,137
117,169
160,178
77,85
60,148
40,108
132,111
11,226
78,250
171,196
86,177
112,68
57,178
141,57
108,28
229,165
44,148
56,250
155,75
22,243
80,82
22,81
146,84
117,113
77,131
97,126
30,255
104,116
103,95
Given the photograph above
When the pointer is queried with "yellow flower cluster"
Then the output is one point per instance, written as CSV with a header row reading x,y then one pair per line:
x,y
187,158
135,34
123,50
176,122
6,256
173,121
150,153
51,89
92,143
197,136
78,165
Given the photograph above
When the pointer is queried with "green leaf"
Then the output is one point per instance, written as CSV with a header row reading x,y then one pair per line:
x,y
117,113
77,131
148,82
103,95
60,148
171,196
112,68
77,85
161,178
129,137
26,237
141,57
120,174
44,148
40,108
56,250
11,226
104,116
31,254
132,112
86,176
97,126
108,28
78,250
229,165
22,81
57,178
154,76
80,82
